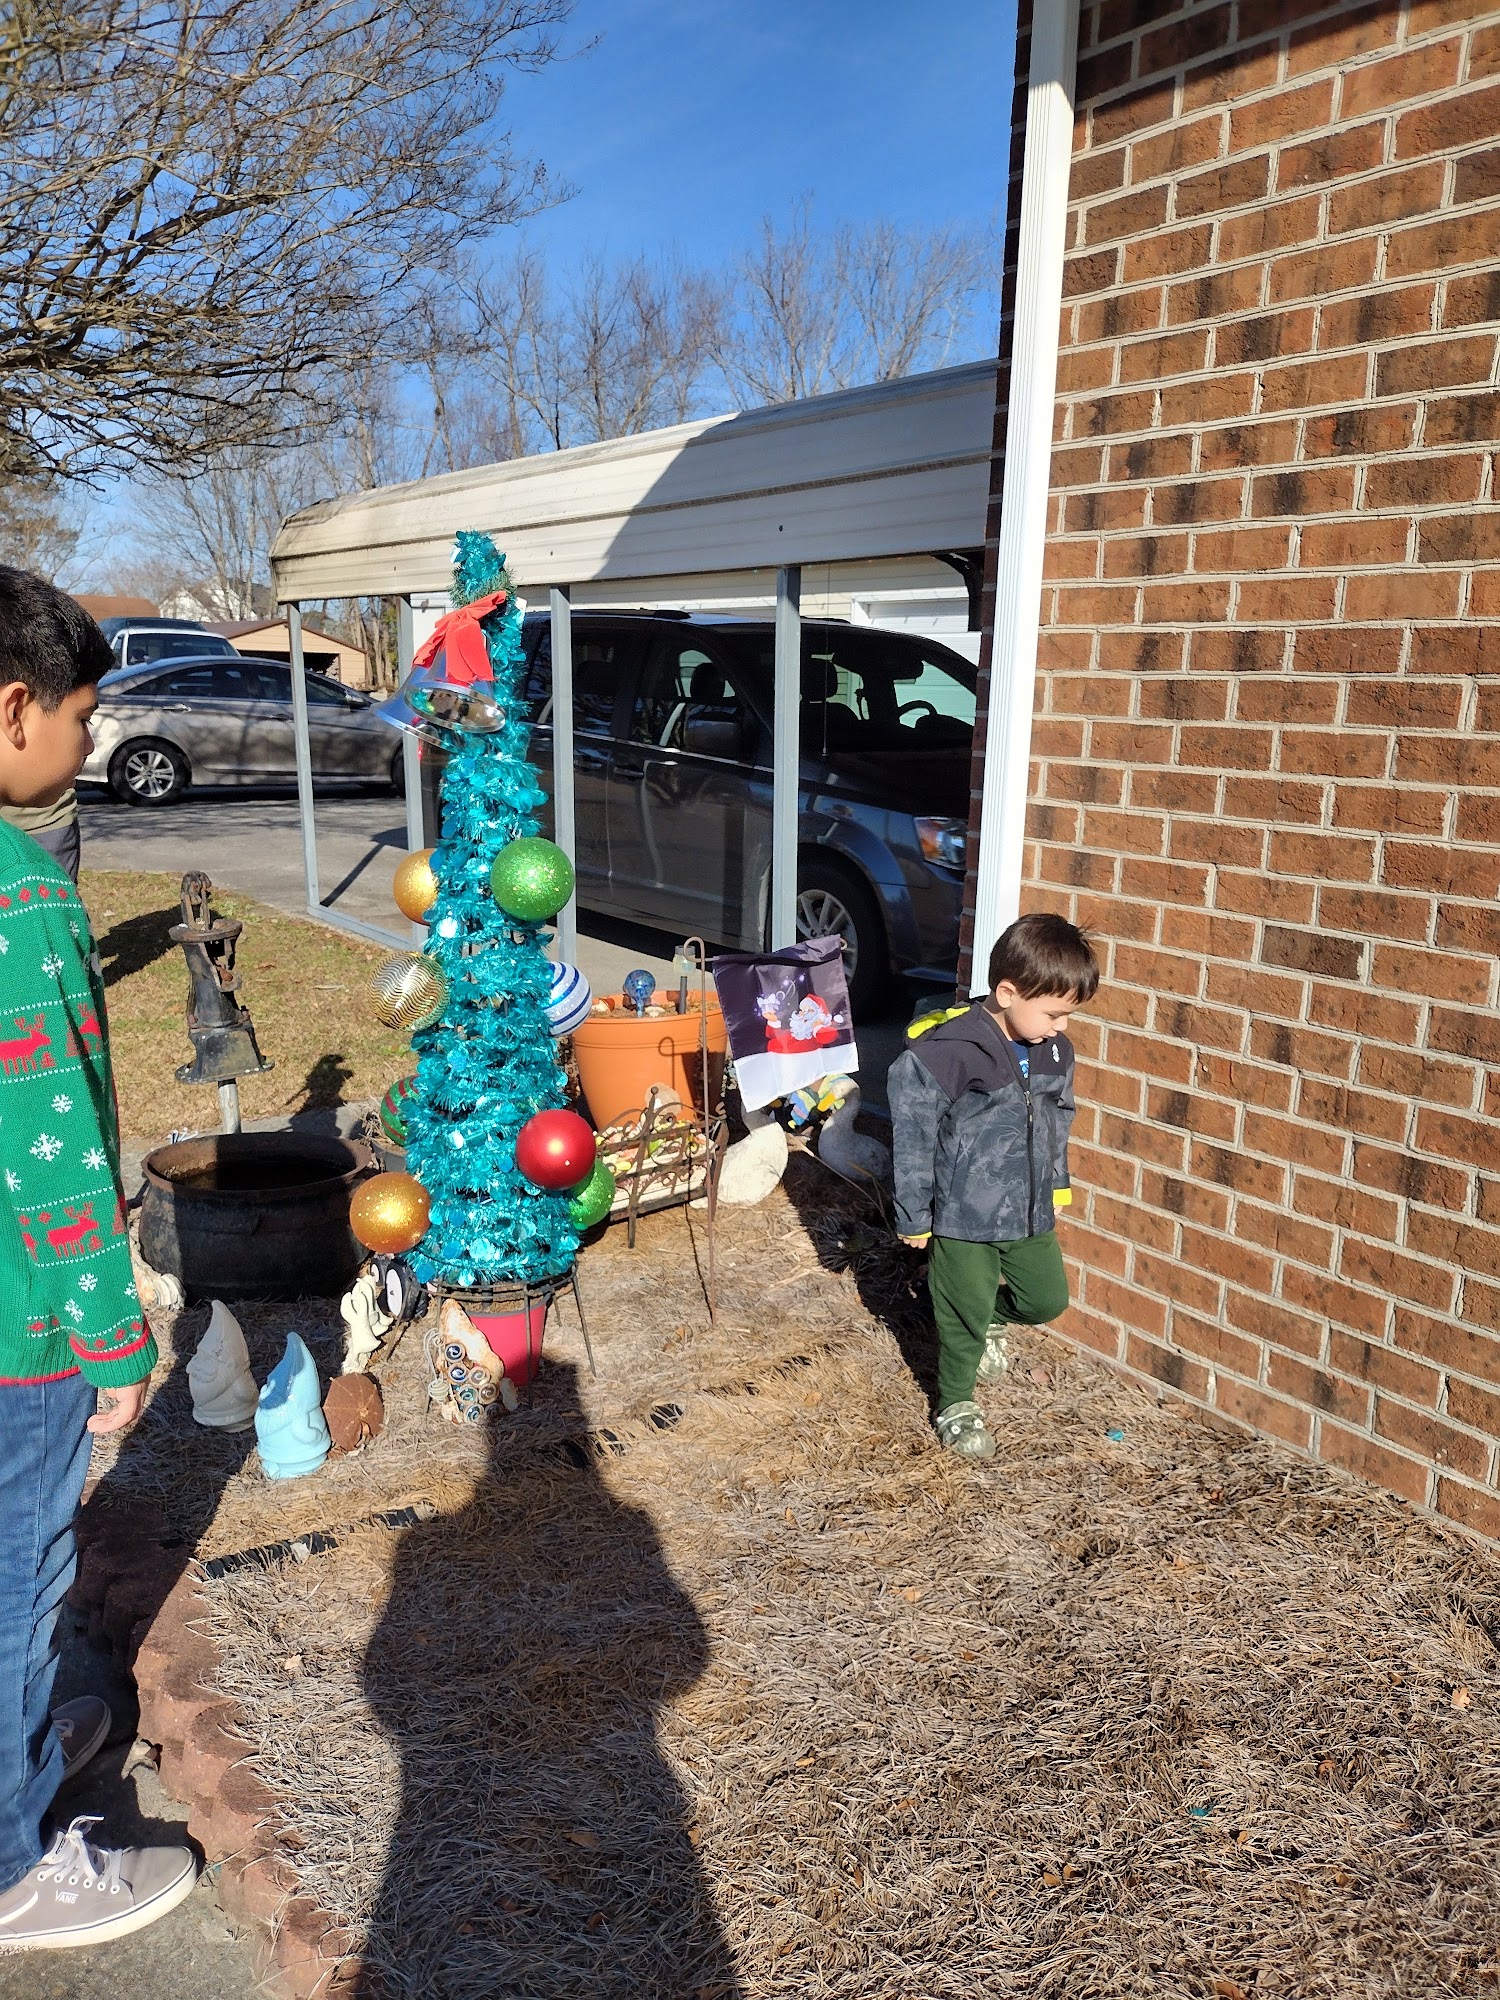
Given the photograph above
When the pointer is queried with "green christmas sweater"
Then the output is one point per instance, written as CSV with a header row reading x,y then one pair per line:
x,y
67,1292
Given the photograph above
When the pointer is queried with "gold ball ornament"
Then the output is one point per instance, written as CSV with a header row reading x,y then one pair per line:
x,y
410,991
389,1213
414,887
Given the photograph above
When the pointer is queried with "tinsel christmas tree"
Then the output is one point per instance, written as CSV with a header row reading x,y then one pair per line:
x,y
489,1062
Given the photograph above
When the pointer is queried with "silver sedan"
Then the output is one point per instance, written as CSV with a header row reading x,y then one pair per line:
x,y
218,721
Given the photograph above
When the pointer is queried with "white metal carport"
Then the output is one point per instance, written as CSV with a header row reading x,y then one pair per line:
x,y
872,486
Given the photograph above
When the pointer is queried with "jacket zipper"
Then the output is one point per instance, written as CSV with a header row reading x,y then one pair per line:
x,y
1030,1157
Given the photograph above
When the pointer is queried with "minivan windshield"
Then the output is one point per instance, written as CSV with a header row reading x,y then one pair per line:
x,y
867,692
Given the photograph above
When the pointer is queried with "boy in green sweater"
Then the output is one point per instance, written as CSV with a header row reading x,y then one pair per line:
x,y
75,1348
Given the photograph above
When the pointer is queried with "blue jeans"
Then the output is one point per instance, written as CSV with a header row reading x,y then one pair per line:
x,y
44,1455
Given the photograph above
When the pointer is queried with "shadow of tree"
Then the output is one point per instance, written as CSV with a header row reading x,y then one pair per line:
x,y
543,1844
133,943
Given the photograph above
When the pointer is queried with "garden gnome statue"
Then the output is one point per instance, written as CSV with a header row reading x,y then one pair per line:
x,y
224,1391
289,1424
365,1323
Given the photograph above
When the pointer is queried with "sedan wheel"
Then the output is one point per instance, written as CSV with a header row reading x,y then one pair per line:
x,y
147,774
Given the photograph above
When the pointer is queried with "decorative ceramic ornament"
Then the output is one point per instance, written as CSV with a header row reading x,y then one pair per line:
x,y
366,1323
556,1150
354,1411
472,1374
638,989
223,1389
532,878
414,887
289,1425
401,1292
592,1200
409,991
570,1000
390,1212
393,1107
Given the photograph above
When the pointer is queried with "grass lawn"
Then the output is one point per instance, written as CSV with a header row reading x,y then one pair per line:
x,y
304,986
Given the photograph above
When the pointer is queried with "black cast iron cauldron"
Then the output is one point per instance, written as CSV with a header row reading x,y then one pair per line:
x,y
248,1215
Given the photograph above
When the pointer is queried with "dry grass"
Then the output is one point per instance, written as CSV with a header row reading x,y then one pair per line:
x,y
304,986
770,1699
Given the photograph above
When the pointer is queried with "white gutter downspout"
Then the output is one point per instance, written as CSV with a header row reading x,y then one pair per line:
x,y
1027,479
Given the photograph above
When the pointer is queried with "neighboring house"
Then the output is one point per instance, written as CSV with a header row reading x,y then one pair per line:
x,y
270,638
1266,746
100,606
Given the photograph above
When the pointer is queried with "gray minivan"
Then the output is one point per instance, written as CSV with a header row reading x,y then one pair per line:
x,y
672,775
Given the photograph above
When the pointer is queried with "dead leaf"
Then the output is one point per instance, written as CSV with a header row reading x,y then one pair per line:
x,y
812,1399
466,1930
292,1664
1229,1989
1052,1879
910,1592
695,1836
1041,1376
595,1921
967,1655
902,1805
790,1518
581,1837
1325,1769
1461,1698
803,1762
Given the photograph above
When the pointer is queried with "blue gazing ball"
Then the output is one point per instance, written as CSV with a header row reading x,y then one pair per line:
x,y
639,989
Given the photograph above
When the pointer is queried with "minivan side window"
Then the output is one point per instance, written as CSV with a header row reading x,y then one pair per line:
x,y
600,661
141,647
683,688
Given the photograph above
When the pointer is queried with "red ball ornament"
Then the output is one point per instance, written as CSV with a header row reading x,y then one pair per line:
x,y
556,1149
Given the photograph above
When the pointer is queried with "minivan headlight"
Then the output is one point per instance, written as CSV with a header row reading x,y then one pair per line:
x,y
945,841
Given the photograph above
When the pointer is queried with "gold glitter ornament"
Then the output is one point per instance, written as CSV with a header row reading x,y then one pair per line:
x,y
389,1213
409,991
414,887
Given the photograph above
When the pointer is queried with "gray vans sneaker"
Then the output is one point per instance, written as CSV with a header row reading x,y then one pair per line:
x,y
82,1895
994,1363
961,1428
82,1727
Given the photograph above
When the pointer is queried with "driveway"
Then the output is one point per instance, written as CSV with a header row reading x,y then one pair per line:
x,y
254,845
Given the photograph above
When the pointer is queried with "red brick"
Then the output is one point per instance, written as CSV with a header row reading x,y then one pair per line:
x,y
1382,315
1231,747
1331,156
1469,1034
1126,217
1347,544
1192,1113
1122,313
1327,489
1188,1199
1280,116
1471,1508
1262,895
1169,1278
1386,808
1458,120
1208,935
1089,1330
1214,841
1414,73
1478,1408
1261,1412
1439,1443
1113,508
1099,1253
1346,1207
1165,154
1167,254
1166,1366
1183,41
1452,1137
1186,603
1340,1304
1238,74
1270,800
1361,1455
1369,1014
1095,272
1456,871
1346,35
1273,226
1317,1389
1467,927
1407,1074
1238,1170
1082,370
1245,1082
1210,1027
1285,1235
1464,538
1335,753
1287,600
1164,881
1241,549
1311,951
1145,555
1268,1321
1466,1247
1338,1108
1303,1048
1181,698
1124,1303
1444,245
1404,704
1215,1344
1345,266
1236,445
1095,604
1466,419
1214,295
1366,430
1145,1142
1385,1368
1212,399
1412,1178
1433,760
1324,856
1234,185
1374,912
1449,1344
1403,593
1473,300
1386,1270
1125,116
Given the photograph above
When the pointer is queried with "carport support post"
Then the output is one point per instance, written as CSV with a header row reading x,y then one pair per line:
x,y
785,740
411,761
302,745
563,827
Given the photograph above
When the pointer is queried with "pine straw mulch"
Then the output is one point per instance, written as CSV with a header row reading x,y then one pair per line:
x,y
716,1679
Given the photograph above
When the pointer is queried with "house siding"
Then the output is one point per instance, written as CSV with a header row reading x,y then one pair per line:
x,y
1267,740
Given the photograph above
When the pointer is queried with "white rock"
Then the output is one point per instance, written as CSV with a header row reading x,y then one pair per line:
x,y
224,1391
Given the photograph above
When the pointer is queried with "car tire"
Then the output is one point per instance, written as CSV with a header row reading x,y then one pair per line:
x,y
832,900
398,773
148,772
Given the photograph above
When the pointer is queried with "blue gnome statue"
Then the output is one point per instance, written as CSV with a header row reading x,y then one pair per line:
x,y
289,1424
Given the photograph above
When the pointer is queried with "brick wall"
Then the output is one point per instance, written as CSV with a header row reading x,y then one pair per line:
x,y
1267,741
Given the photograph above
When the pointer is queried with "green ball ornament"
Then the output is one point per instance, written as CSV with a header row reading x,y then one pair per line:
x,y
393,1109
592,1199
532,878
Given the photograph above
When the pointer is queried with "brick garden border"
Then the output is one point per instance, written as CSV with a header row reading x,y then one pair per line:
x,y
142,1601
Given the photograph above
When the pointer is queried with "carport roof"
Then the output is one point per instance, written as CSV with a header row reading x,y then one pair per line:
x,y
898,469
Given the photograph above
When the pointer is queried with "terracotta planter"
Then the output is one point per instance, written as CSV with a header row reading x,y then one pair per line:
x,y
620,1055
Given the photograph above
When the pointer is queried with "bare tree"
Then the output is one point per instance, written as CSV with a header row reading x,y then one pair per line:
x,y
204,204
815,313
38,529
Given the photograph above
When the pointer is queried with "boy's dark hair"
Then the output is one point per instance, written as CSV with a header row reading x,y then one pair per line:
x,y
47,640
1045,954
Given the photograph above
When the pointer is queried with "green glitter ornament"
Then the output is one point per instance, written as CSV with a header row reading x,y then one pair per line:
x,y
532,878
592,1199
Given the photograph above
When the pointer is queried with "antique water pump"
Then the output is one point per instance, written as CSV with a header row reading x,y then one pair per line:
x,y
218,1025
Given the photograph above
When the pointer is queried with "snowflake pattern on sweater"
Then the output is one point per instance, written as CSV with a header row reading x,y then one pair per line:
x,y
67,1296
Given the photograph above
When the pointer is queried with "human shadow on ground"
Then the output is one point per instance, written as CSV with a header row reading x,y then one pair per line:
x,y
133,943
322,1093
543,1845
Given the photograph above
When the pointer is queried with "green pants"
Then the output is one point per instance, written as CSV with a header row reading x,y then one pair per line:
x,y
975,1284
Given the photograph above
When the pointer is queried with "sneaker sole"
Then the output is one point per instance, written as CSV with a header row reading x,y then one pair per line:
x,y
75,1937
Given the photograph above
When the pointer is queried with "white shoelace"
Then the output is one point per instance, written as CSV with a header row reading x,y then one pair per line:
x,y
71,1859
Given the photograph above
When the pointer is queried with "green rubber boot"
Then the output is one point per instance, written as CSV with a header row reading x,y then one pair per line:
x,y
961,1428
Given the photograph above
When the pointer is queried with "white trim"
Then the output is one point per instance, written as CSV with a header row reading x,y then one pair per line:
x,y
1028,469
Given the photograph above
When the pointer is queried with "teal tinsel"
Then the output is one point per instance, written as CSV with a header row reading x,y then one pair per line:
x,y
490,1062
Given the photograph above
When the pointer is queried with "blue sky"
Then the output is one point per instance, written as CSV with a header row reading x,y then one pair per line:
x,y
691,119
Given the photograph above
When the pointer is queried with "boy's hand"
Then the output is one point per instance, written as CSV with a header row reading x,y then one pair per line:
x,y
917,1242
118,1408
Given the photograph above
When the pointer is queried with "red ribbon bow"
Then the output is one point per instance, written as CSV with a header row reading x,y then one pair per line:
x,y
458,635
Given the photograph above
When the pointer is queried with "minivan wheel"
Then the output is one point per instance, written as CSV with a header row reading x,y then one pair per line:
x,y
833,902
147,772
